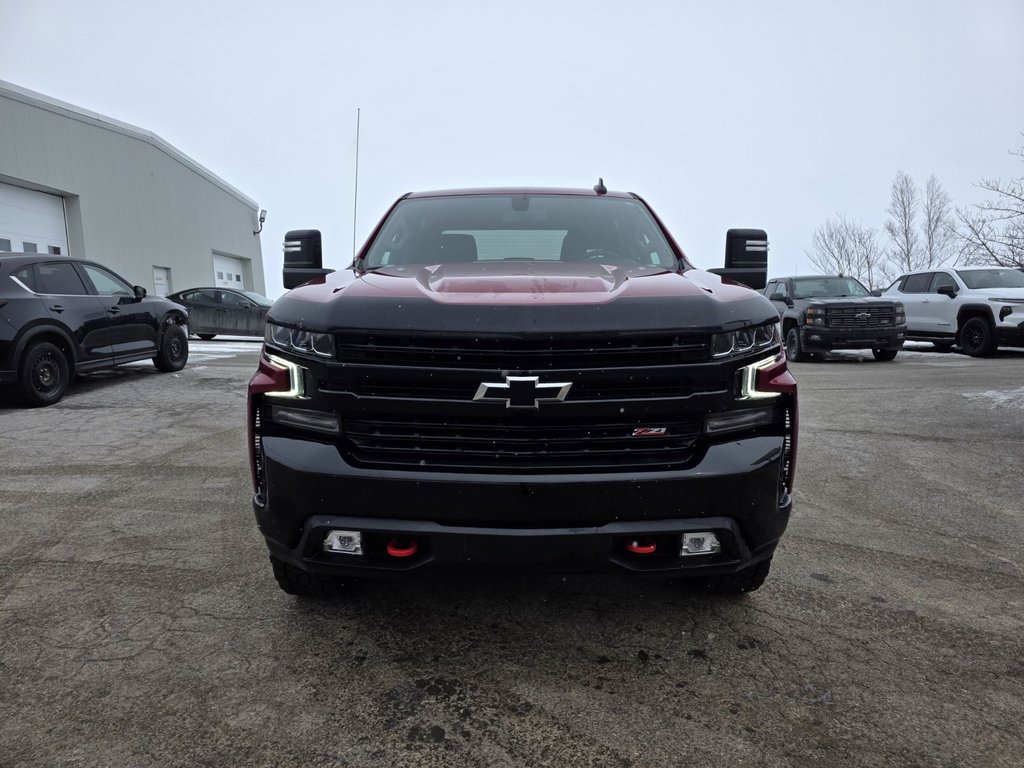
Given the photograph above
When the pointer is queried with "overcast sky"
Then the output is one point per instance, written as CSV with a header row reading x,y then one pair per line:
x,y
753,114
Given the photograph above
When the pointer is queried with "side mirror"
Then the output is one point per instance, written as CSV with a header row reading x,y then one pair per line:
x,y
876,292
140,292
303,257
746,257
947,290
781,297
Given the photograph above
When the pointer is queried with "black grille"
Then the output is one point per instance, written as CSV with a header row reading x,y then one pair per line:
x,y
540,444
534,353
861,317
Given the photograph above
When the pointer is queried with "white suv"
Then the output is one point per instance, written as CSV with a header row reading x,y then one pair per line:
x,y
979,308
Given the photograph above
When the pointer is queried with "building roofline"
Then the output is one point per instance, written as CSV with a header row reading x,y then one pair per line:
x,y
26,96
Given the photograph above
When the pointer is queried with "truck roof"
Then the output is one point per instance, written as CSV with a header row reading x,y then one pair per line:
x,y
519,191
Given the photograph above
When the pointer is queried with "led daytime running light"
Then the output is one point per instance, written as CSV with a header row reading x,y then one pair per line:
x,y
296,390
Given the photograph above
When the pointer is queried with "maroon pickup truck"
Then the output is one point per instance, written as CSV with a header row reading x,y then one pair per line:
x,y
527,379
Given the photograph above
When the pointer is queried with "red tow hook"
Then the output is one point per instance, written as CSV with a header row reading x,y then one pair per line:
x,y
642,546
402,547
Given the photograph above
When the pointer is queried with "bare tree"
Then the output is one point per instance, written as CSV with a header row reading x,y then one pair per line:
x,y
843,247
993,233
901,228
938,227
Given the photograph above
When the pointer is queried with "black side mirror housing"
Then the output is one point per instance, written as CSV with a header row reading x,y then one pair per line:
x,y
746,257
947,290
876,292
781,297
303,257
140,292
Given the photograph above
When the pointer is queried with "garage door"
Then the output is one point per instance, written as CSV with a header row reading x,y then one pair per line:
x,y
227,272
31,221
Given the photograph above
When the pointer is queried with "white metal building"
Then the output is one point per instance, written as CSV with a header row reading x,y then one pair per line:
x,y
78,183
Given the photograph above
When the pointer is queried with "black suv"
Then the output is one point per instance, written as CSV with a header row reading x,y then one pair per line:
x,y
822,312
60,317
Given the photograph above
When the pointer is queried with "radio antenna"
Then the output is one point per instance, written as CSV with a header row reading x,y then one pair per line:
x,y
355,192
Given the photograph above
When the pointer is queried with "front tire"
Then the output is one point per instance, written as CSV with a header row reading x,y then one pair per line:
x,y
885,354
43,375
173,353
977,337
794,349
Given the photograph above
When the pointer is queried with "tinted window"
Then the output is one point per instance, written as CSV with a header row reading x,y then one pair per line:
x,y
520,228
27,276
259,299
59,277
941,279
203,297
107,283
992,278
917,283
233,299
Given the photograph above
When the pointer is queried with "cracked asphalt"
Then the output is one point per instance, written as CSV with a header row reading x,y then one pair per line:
x,y
140,624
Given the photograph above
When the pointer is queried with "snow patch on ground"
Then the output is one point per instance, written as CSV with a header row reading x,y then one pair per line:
x,y
998,398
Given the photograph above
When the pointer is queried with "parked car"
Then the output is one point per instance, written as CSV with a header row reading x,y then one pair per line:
x,y
522,379
61,316
822,312
979,308
223,310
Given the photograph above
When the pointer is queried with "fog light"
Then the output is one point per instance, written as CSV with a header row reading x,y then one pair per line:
x,y
701,543
318,421
346,542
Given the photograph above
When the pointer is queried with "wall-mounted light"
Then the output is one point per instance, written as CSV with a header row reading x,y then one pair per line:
x,y
263,217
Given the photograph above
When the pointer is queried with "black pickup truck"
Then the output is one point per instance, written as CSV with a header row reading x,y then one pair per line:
x,y
525,379
822,312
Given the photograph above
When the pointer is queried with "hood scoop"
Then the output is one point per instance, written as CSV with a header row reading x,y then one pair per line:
x,y
520,281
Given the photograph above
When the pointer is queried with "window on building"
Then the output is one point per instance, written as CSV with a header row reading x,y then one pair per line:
x,y
5,244
30,247
54,249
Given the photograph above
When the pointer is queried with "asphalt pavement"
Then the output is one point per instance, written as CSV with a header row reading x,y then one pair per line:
x,y
140,624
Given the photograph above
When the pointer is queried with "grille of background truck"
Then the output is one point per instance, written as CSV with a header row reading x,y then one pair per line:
x,y
847,317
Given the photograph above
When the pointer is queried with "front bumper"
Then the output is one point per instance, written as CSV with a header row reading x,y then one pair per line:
x,y
823,338
537,523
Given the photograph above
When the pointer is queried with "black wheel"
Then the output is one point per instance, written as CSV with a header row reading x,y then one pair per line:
x,y
794,350
747,580
303,584
942,346
173,352
43,375
885,354
977,337
206,336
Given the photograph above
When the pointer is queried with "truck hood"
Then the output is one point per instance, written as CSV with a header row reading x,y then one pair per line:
x,y
516,297
846,301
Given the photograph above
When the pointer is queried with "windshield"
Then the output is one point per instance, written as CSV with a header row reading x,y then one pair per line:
x,y
827,287
493,228
992,278
260,299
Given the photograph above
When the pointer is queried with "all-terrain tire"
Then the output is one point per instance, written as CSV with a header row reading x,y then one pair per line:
x,y
301,583
741,582
44,374
977,337
794,350
173,352
885,354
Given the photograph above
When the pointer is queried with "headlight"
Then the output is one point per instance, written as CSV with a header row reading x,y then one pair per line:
x,y
300,342
901,314
756,338
815,316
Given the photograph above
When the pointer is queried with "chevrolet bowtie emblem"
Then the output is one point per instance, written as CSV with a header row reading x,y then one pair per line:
x,y
863,315
523,391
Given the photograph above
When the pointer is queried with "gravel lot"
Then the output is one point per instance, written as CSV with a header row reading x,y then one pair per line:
x,y
140,624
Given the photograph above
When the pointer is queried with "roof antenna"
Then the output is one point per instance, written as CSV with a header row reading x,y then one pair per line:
x,y
600,188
